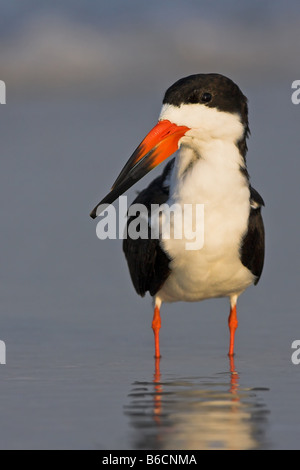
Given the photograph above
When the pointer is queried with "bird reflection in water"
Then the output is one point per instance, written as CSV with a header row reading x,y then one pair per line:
x,y
197,413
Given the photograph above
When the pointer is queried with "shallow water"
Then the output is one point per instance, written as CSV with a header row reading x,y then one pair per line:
x,y
80,371
206,413
62,396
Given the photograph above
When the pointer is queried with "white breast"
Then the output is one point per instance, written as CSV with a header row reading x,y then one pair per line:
x,y
215,180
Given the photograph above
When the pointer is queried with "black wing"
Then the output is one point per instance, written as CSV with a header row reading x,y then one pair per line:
x,y
148,264
253,244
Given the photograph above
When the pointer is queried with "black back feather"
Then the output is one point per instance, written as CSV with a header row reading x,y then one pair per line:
x,y
253,243
148,264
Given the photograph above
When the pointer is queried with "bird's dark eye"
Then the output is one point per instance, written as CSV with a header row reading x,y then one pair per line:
x,y
205,97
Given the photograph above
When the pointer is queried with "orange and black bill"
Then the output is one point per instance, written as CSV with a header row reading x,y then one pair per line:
x,y
158,145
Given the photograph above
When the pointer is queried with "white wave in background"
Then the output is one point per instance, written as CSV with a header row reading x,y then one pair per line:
x,y
51,51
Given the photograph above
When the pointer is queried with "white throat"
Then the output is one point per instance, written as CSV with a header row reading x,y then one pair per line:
x,y
207,123
211,169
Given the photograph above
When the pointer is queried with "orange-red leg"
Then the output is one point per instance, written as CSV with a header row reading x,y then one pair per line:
x,y
156,324
233,324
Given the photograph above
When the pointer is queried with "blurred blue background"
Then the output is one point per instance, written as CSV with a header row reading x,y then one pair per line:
x,y
122,47
85,81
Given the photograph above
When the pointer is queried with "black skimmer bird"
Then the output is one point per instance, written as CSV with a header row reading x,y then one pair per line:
x,y
204,118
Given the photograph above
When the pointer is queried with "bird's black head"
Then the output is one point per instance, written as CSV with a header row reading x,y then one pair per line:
x,y
214,91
